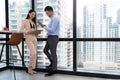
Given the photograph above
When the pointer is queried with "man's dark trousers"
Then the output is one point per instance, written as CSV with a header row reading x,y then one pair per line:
x,y
51,45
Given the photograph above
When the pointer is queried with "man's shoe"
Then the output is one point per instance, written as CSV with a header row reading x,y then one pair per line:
x,y
50,73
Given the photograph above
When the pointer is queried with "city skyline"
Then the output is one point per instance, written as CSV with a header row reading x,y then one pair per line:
x,y
93,13
98,55
112,7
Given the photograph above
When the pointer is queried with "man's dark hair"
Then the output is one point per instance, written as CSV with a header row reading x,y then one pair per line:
x,y
48,8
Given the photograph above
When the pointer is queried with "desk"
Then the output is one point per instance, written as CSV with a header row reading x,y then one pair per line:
x,y
8,32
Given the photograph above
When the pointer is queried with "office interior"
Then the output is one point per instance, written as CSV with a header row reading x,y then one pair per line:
x,y
88,45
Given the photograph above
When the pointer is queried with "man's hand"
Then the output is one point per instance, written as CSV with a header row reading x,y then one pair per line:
x,y
41,24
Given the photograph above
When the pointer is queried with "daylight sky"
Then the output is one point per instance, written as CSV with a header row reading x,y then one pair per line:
x,y
112,7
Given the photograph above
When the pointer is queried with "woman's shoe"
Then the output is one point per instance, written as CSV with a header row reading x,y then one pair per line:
x,y
30,72
34,72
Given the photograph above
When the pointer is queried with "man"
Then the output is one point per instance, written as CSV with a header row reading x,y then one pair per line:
x,y
53,32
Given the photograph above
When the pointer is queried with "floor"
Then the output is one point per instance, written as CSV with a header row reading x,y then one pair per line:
x,y
22,75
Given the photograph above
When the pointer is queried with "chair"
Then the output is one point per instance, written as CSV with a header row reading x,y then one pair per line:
x,y
15,39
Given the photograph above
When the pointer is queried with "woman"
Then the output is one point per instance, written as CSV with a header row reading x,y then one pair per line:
x,y
27,27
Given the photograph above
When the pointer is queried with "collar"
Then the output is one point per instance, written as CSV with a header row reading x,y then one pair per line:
x,y
52,16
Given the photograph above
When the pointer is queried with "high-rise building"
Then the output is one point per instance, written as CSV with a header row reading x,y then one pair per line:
x,y
88,32
118,16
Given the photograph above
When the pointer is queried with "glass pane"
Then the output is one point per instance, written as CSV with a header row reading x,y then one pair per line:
x,y
64,55
18,10
98,18
2,24
98,57
2,14
62,9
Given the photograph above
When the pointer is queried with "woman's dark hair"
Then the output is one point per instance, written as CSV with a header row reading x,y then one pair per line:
x,y
48,8
34,19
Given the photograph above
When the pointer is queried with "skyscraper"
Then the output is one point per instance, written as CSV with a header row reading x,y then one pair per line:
x,y
118,16
88,32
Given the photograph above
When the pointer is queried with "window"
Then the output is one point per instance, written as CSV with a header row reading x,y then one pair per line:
x,y
92,19
98,19
2,25
18,11
62,9
98,56
3,17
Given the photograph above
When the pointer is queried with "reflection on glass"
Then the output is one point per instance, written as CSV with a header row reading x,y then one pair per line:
x,y
98,19
62,9
98,56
